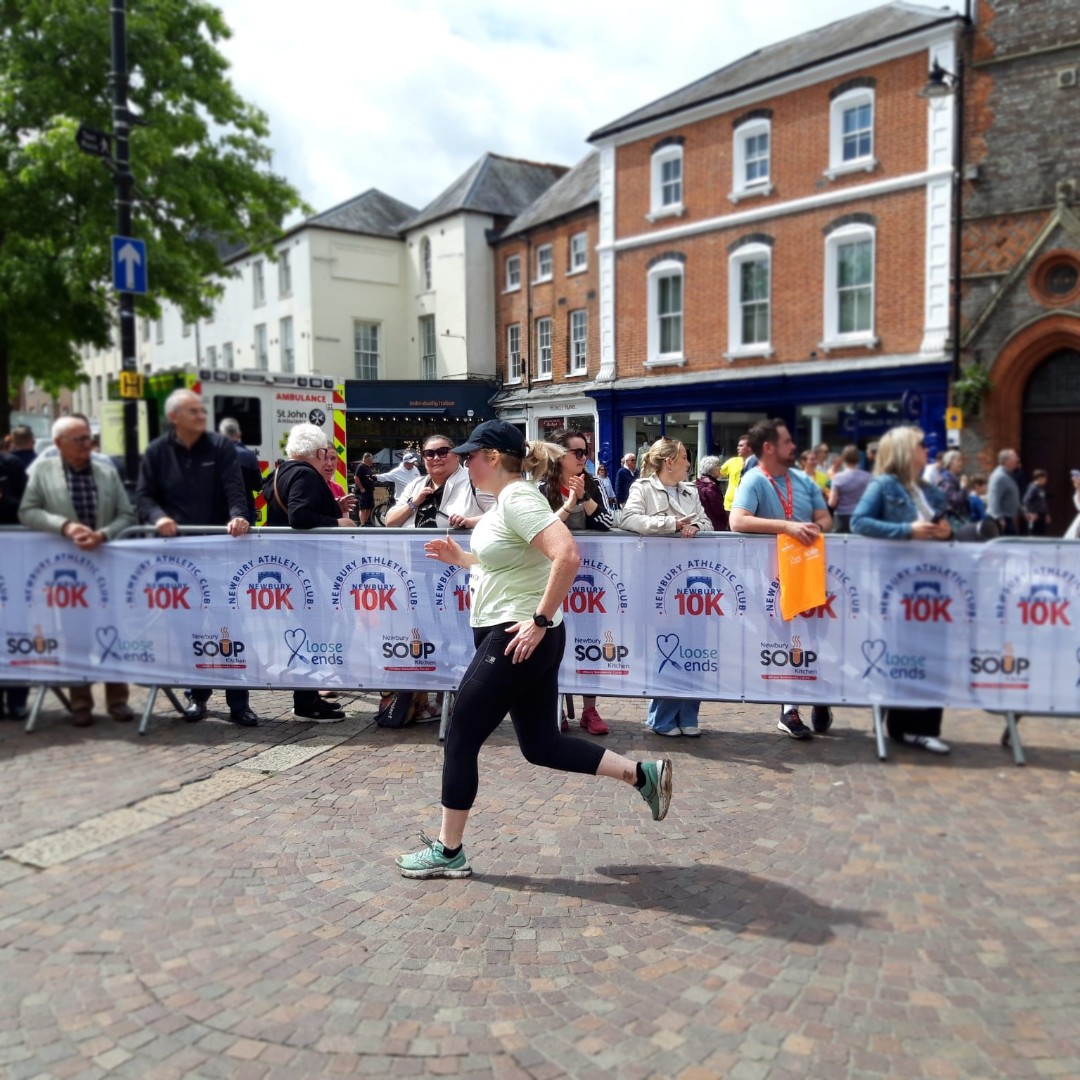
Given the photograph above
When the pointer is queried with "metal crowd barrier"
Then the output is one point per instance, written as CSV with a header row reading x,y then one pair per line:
x,y
1010,736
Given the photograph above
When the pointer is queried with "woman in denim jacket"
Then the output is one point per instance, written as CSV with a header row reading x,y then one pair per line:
x,y
898,505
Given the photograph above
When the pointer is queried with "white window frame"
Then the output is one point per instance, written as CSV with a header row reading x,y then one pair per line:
x,y
545,263
514,367
741,187
159,332
579,253
211,357
262,348
185,329
667,268
425,264
578,351
429,349
661,157
834,339
258,283
545,331
284,273
227,362
513,273
737,346
288,348
361,357
852,99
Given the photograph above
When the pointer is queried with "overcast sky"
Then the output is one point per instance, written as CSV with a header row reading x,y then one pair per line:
x,y
404,95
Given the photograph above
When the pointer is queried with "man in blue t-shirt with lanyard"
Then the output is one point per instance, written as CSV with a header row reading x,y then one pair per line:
x,y
775,498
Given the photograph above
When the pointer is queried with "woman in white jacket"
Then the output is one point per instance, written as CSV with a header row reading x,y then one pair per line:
x,y
663,503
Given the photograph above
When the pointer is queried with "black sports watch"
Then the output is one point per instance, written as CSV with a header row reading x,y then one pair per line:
x,y
542,621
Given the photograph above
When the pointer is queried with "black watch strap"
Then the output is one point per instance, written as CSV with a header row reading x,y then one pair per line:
x,y
542,620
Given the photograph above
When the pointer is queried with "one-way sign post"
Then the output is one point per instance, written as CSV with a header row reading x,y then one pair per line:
x,y
129,265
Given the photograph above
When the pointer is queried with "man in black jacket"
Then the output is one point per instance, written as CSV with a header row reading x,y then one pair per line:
x,y
12,486
190,476
249,463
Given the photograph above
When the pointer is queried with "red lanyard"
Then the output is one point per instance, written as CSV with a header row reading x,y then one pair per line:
x,y
789,505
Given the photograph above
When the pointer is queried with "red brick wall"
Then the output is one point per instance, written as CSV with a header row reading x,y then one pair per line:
x,y
555,298
798,292
800,149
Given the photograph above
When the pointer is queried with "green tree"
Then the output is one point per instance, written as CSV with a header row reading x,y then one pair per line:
x,y
200,164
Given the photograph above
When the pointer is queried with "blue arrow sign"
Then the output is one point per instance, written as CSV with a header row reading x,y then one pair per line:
x,y
129,264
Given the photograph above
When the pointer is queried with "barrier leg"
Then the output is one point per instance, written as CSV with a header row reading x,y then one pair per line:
x,y
444,719
39,700
1012,732
879,733
144,723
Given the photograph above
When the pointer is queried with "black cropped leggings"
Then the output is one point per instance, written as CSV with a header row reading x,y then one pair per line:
x,y
494,686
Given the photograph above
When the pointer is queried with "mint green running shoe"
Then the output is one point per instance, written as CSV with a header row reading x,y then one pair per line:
x,y
431,862
657,789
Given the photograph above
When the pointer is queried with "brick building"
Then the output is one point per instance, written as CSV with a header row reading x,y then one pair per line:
x,y
546,326
775,239
1021,250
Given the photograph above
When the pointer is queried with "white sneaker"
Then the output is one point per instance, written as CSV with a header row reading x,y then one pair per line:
x,y
693,732
928,742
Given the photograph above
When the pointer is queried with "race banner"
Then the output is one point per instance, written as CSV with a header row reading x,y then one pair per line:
x,y
988,626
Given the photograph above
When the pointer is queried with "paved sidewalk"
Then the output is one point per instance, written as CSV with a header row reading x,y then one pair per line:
x,y
213,901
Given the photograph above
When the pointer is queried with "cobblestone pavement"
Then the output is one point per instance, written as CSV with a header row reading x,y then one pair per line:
x,y
212,901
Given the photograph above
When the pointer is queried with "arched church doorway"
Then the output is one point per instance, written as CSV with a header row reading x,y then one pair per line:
x,y
1051,430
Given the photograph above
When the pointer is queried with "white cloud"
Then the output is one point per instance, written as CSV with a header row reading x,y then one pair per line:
x,y
404,95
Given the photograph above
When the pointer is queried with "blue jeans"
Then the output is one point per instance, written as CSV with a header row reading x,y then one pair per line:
x,y
666,714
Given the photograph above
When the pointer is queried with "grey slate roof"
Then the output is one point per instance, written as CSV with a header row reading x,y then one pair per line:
x,y
494,185
579,188
373,213
851,35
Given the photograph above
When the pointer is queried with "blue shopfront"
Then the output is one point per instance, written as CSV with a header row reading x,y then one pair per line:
x,y
857,404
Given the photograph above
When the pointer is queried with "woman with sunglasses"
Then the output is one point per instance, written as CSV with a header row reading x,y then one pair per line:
x,y
522,562
580,503
899,505
444,498
298,496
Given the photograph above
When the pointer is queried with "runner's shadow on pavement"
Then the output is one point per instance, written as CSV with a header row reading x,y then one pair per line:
x,y
702,895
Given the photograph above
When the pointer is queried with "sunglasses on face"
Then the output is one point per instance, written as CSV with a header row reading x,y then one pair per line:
x,y
436,452
579,453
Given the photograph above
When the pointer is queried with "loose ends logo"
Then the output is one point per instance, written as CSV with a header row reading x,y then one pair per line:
x,y
788,661
167,583
374,584
67,582
411,653
218,651
885,661
672,652
700,588
32,650
121,650
842,599
601,657
271,583
928,593
1042,597
303,650
597,590
452,590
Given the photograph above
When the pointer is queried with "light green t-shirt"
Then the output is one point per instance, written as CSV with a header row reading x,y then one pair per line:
x,y
511,577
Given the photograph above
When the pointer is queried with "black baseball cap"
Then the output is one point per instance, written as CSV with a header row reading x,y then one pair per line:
x,y
494,435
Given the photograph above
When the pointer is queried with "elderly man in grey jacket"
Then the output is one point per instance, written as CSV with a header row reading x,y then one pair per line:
x,y
84,501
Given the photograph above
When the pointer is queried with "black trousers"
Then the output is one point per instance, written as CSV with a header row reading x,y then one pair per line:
x,y
494,686
235,699
901,722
